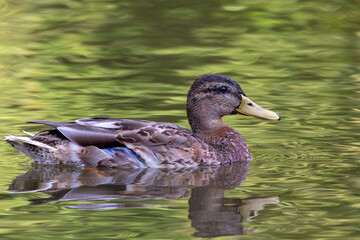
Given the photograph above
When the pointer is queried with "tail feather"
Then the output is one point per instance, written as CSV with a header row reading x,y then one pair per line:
x,y
28,133
11,138
52,124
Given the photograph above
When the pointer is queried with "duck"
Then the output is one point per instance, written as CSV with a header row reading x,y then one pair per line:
x,y
101,142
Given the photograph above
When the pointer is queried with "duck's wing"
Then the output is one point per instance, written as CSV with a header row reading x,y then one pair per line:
x,y
122,124
82,135
156,144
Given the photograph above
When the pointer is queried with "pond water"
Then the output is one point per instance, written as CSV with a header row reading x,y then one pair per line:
x,y
63,60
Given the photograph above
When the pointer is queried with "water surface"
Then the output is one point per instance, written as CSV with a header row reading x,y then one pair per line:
x,y
62,60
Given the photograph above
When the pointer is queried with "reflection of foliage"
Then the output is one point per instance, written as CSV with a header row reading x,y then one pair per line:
x,y
76,39
138,58
61,60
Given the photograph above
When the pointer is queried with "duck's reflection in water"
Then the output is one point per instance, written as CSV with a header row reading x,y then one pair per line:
x,y
211,214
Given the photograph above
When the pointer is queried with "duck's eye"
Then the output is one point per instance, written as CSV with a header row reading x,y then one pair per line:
x,y
223,89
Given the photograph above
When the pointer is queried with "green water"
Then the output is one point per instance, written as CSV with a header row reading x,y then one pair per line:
x,y
63,60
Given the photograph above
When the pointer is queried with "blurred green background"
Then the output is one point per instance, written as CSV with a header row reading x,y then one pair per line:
x,y
63,60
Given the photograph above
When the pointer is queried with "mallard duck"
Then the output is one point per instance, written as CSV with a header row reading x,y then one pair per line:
x,y
133,143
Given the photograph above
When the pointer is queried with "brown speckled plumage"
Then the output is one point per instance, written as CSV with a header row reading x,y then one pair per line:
x,y
133,143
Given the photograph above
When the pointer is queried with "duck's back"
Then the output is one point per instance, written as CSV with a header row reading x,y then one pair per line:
x,y
159,144
107,142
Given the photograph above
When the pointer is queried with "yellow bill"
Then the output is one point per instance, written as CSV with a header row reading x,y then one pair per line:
x,y
249,108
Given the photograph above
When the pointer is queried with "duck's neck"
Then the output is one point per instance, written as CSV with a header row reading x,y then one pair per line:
x,y
229,145
205,125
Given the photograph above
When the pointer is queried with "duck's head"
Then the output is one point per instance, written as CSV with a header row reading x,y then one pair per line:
x,y
213,96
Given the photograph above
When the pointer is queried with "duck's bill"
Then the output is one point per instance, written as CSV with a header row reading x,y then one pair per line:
x,y
249,108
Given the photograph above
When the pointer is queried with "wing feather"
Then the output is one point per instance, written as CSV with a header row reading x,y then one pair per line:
x,y
89,135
